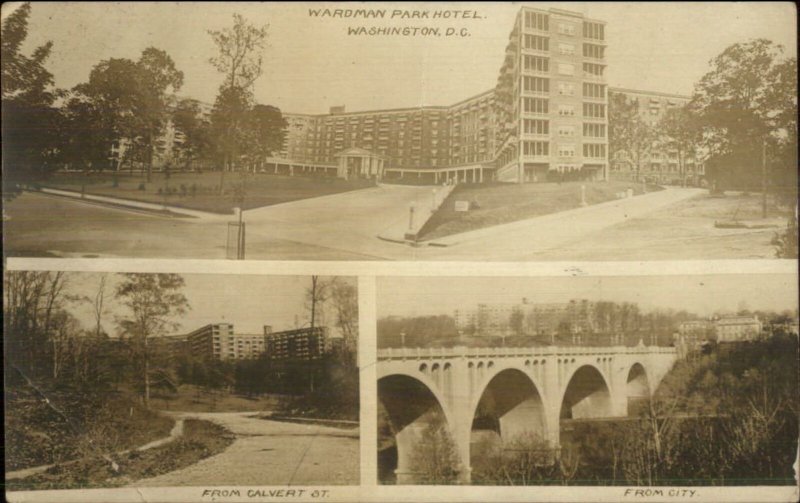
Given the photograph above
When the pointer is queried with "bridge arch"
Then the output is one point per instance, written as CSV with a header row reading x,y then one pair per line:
x,y
638,389
587,394
413,409
508,407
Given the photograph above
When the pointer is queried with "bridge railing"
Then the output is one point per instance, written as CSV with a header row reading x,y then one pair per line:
x,y
546,351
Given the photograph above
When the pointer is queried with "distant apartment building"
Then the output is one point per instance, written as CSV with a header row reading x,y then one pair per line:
x,y
695,328
219,342
575,316
298,344
659,164
737,328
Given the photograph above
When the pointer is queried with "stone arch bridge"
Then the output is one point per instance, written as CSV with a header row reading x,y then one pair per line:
x,y
508,391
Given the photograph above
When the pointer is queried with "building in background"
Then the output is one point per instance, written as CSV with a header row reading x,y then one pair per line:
x,y
299,344
661,164
576,316
218,341
737,328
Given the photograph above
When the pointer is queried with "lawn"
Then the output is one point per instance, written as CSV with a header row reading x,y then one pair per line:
x,y
500,203
200,191
191,398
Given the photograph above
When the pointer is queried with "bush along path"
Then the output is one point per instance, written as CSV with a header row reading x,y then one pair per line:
x,y
199,440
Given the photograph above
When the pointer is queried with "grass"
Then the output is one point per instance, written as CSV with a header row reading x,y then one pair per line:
x,y
200,191
195,399
200,440
74,425
501,203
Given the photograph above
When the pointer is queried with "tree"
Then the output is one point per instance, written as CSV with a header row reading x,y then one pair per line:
x,y
265,131
153,300
317,295
240,48
744,102
128,101
679,133
187,119
159,78
344,297
228,122
30,122
630,138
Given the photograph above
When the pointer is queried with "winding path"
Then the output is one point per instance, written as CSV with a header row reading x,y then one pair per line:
x,y
271,453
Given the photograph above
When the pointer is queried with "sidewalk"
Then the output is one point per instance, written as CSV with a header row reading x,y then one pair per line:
x,y
137,205
549,231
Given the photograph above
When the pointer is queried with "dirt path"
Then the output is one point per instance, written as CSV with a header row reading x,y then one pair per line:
x,y
271,453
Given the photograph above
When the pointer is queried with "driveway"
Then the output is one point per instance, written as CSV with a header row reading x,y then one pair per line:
x,y
271,453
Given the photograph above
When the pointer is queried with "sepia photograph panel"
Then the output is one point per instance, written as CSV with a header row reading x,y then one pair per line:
x,y
438,131
681,380
137,380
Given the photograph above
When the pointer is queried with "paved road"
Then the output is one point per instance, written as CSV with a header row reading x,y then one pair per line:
x,y
271,453
345,226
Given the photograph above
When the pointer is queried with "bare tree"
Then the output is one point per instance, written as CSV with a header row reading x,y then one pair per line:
x,y
153,300
240,52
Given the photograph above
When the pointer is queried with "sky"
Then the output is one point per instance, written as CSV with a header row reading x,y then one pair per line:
x,y
700,294
249,302
312,63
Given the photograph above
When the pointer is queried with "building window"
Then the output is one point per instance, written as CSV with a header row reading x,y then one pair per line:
x,y
566,29
566,110
593,51
566,131
536,43
566,49
536,64
594,150
594,90
567,150
594,110
593,30
536,85
566,89
566,69
537,21
537,127
593,69
536,148
535,105
594,130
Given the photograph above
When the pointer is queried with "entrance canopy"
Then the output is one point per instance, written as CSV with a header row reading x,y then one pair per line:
x,y
360,163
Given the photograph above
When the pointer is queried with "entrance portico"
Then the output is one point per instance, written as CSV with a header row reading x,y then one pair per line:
x,y
359,163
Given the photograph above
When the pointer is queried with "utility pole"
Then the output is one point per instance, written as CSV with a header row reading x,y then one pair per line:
x,y
764,178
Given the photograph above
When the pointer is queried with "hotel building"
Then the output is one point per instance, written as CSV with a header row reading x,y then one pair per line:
x,y
545,120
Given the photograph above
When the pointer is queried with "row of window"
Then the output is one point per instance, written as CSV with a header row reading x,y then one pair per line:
x,y
595,110
542,127
593,69
594,30
593,51
536,43
596,150
542,148
537,21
